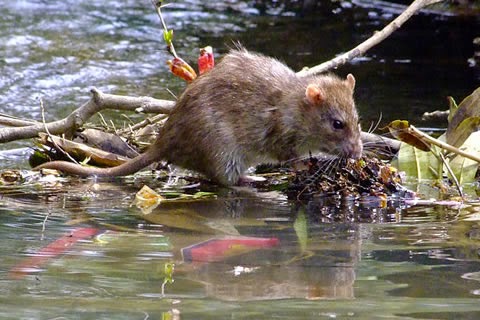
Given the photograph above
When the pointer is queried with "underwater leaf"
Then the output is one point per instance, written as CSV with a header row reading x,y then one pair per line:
x,y
223,226
469,107
465,169
300,227
418,164
173,215
218,249
168,269
203,195
170,315
52,250
400,130
463,131
172,196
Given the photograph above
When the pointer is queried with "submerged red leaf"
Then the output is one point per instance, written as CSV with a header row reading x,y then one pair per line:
x,y
52,250
218,249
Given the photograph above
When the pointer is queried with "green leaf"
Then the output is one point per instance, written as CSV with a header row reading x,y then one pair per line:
x,y
203,195
469,107
168,36
37,158
418,164
463,131
172,194
465,169
168,269
300,227
168,315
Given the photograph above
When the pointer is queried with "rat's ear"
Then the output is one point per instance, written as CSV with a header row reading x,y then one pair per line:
x,y
314,95
351,81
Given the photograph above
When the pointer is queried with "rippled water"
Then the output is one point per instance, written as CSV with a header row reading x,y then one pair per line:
x,y
418,262
367,262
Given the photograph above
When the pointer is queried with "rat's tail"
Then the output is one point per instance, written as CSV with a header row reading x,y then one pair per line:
x,y
129,167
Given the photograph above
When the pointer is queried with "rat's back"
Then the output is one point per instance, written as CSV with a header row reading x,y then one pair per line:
x,y
219,124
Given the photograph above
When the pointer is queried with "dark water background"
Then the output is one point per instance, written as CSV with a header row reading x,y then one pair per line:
x,y
368,262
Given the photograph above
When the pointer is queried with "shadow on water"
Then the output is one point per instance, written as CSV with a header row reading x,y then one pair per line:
x,y
245,253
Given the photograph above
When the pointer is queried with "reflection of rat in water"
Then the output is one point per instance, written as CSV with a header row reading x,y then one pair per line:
x,y
248,109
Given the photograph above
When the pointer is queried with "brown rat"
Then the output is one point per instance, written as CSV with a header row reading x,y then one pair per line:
x,y
248,109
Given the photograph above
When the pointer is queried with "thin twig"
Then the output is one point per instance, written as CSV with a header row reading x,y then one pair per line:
x,y
452,175
103,121
144,123
57,147
414,131
158,8
44,223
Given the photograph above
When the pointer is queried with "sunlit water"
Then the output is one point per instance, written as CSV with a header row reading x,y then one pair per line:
x,y
366,262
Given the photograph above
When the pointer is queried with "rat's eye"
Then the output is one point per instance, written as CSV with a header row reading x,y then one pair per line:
x,y
338,125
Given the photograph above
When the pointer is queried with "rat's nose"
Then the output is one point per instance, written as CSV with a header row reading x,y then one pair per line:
x,y
353,149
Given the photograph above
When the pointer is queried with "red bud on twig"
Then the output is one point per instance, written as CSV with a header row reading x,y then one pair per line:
x,y
182,69
206,60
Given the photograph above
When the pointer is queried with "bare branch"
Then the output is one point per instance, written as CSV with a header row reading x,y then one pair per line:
x,y
99,101
381,142
11,121
377,37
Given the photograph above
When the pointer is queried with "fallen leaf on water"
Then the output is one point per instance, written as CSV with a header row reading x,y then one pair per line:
x,y
147,199
466,169
11,176
417,163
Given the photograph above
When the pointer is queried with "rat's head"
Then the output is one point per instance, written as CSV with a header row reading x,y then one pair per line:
x,y
331,117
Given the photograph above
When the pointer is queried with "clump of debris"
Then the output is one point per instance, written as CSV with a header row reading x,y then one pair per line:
x,y
347,178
